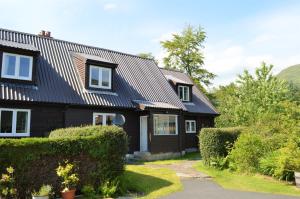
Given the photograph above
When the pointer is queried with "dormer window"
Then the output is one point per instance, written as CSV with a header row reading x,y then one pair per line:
x,y
184,93
15,66
100,77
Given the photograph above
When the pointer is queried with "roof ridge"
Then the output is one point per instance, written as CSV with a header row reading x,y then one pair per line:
x,y
171,69
71,42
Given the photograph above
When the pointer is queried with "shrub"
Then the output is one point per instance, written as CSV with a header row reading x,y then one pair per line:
x,y
7,184
246,153
67,174
98,156
109,188
216,142
45,190
282,163
88,192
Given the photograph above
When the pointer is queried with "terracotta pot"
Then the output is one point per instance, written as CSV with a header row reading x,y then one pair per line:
x,y
68,194
297,179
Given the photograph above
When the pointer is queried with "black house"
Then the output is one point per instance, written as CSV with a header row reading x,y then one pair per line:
x,y
48,83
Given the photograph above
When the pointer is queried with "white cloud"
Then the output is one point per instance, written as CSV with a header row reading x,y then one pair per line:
x,y
109,6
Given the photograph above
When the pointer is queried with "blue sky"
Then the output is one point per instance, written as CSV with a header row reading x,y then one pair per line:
x,y
240,33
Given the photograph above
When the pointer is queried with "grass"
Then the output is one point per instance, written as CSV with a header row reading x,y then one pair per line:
x,y
187,156
254,183
150,182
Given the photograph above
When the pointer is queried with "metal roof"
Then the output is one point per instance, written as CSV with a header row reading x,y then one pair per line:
x,y
176,80
94,58
200,103
58,80
147,104
18,45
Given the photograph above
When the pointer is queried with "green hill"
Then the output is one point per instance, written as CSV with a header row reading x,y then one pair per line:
x,y
291,74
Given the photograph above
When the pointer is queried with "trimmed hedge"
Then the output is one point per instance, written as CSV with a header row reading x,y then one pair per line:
x,y
98,154
213,142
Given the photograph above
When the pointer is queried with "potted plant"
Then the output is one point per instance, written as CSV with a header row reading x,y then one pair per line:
x,y
69,179
7,184
43,193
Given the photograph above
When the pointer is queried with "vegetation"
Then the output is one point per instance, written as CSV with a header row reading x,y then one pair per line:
x,y
215,142
269,110
184,53
247,182
68,176
150,182
148,56
45,190
99,156
7,184
291,74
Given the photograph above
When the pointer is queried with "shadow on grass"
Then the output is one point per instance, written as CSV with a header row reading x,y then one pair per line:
x,y
142,184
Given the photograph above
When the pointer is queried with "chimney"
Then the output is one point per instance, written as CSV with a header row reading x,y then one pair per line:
x,y
44,33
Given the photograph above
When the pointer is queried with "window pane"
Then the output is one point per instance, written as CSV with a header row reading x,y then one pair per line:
x,y
10,65
24,67
99,120
193,126
181,93
186,93
105,77
172,125
188,127
94,76
109,119
6,121
22,122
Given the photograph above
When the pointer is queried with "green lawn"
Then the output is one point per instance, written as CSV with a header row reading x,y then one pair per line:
x,y
150,182
255,183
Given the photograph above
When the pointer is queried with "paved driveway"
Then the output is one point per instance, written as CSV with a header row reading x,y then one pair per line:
x,y
207,189
198,185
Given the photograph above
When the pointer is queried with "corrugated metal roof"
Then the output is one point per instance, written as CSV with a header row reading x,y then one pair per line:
x,y
200,103
176,80
58,80
18,45
147,104
95,58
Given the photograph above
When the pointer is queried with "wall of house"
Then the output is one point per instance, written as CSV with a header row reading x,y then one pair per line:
x,y
45,118
191,139
84,116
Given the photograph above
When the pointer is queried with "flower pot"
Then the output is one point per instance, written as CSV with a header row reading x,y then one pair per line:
x,y
40,197
297,179
68,194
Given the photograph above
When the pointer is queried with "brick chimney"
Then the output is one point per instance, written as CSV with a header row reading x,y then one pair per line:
x,y
44,33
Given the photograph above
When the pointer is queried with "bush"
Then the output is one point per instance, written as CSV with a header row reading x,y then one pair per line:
x,y
216,142
282,163
89,192
246,153
98,156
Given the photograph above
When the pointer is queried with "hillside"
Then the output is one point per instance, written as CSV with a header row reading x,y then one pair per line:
x,y
291,74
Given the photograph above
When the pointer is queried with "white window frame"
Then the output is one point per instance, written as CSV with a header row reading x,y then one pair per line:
x,y
176,125
104,116
17,67
100,77
189,122
14,123
183,96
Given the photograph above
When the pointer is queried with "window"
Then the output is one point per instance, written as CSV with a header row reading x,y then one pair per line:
x,y
108,119
100,77
184,93
190,126
16,66
165,124
14,122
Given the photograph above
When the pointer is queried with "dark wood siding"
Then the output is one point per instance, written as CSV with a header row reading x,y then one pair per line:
x,y
44,118
84,116
191,139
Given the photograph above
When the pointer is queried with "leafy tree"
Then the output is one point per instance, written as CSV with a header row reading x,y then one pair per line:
x,y
185,53
148,56
253,97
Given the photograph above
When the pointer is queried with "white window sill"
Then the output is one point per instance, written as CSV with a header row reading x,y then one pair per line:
x,y
14,135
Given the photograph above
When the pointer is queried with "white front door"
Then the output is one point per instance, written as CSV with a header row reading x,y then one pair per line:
x,y
143,133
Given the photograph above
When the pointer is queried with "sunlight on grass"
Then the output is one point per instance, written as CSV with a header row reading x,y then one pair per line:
x,y
256,183
150,182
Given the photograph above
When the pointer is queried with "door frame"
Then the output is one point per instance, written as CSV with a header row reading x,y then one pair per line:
x,y
141,131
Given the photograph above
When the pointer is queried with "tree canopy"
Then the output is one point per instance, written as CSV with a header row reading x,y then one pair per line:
x,y
184,52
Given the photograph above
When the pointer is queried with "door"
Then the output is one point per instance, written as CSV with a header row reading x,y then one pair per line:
x,y
144,133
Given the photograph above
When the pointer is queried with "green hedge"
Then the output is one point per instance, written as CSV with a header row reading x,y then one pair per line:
x,y
99,157
214,141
